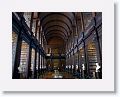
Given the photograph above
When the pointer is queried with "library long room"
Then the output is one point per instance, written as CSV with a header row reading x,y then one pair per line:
x,y
56,45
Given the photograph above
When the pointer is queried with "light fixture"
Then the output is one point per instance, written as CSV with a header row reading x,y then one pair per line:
x,y
82,56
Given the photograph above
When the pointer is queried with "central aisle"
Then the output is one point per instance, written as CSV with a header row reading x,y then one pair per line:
x,y
57,75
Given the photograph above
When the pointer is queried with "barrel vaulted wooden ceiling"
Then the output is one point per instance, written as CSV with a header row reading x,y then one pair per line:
x,y
57,24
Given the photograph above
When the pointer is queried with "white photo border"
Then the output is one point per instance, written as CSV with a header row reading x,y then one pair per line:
x,y
104,84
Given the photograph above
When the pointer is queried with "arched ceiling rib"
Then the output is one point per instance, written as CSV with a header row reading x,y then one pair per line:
x,y
63,14
55,35
57,23
56,27
56,31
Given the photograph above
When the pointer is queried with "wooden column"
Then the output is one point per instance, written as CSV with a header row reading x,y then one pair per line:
x,y
78,23
70,59
99,49
39,54
41,63
17,58
29,74
84,45
18,52
68,54
78,48
51,60
35,73
73,39
31,22
36,29
38,65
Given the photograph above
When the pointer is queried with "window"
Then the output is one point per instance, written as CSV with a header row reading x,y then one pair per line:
x,y
87,17
27,16
38,30
34,27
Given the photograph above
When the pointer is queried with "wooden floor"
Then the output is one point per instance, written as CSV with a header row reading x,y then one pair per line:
x,y
57,75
